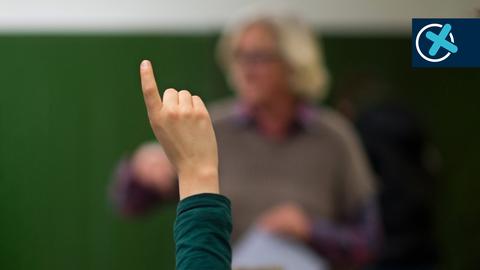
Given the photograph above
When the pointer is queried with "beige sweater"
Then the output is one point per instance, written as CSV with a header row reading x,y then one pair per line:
x,y
321,166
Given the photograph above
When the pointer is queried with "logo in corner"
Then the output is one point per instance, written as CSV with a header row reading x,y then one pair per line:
x,y
440,43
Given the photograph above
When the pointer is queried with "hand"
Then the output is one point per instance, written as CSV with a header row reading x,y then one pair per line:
x,y
153,170
182,125
287,219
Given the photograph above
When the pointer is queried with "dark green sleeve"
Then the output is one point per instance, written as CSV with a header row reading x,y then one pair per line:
x,y
202,233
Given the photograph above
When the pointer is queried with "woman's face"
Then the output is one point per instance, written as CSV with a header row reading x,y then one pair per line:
x,y
258,72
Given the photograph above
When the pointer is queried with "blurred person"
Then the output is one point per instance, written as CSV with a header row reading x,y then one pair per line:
x,y
289,167
406,165
400,154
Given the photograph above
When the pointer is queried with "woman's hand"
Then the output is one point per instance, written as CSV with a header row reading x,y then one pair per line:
x,y
288,219
182,125
153,169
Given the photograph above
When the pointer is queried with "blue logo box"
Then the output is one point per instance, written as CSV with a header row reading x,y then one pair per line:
x,y
445,43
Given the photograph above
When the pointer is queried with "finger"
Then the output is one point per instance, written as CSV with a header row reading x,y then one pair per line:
x,y
149,88
198,103
170,97
185,99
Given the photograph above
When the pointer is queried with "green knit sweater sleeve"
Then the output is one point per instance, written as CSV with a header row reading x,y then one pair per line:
x,y
202,233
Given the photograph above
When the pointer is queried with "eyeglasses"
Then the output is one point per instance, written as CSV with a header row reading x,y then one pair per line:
x,y
256,57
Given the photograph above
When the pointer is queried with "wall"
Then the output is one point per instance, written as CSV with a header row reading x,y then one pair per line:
x,y
192,16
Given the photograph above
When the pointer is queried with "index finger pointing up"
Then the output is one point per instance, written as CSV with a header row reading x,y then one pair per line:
x,y
149,88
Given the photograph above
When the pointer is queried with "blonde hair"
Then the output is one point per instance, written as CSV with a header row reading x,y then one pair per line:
x,y
297,46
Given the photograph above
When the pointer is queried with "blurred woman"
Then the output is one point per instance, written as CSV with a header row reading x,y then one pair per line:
x,y
289,167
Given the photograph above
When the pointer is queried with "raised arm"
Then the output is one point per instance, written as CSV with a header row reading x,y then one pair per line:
x,y
182,125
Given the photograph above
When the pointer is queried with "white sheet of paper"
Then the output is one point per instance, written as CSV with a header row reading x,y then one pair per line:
x,y
259,249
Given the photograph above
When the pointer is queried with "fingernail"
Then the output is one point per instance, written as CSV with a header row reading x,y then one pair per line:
x,y
144,64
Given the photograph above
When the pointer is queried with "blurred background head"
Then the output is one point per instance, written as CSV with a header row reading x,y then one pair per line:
x,y
270,56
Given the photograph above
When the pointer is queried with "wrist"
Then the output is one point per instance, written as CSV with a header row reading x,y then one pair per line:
x,y
197,181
